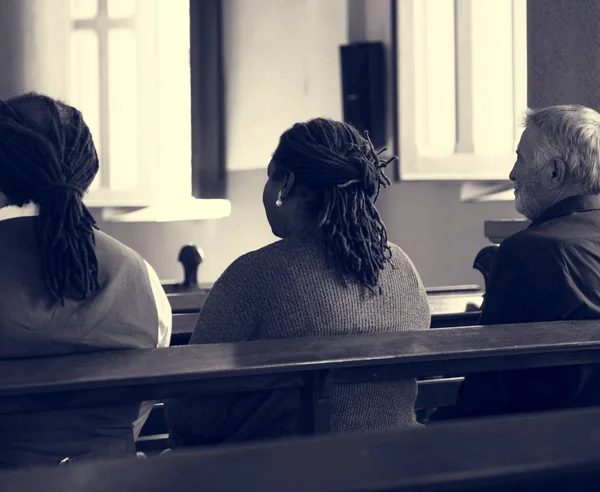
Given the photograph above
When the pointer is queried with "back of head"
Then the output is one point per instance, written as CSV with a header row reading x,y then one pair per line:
x,y
342,174
47,156
570,133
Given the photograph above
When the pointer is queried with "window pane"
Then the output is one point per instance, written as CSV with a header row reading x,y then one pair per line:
x,y
84,80
123,109
118,9
83,9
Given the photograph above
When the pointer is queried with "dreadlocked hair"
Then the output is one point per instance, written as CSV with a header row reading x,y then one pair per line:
x,y
342,167
47,156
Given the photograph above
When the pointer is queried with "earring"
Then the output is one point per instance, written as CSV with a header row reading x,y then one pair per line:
x,y
279,201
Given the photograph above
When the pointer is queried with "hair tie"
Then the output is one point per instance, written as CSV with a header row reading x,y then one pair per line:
x,y
61,187
348,183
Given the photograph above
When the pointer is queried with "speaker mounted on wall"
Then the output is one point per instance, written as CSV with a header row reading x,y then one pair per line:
x,y
364,89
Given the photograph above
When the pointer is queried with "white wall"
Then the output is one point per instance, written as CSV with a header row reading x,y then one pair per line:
x,y
427,219
33,33
282,66
439,233
222,240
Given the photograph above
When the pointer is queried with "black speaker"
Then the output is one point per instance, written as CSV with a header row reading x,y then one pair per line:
x,y
364,89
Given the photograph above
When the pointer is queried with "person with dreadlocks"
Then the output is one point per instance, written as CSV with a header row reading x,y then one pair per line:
x,y
333,273
65,287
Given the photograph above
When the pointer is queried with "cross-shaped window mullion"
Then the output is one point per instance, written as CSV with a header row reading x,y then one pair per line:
x,y
102,25
102,22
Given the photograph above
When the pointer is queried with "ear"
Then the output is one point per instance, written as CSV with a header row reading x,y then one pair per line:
x,y
558,173
288,184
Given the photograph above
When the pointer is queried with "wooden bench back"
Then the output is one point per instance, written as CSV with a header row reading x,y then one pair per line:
x,y
444,301
550,452
433,393
449,308
312,364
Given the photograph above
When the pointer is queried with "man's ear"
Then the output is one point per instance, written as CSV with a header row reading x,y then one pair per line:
x,y
288,184
558,175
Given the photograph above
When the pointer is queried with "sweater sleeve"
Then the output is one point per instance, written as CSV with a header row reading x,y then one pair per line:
x,y
229,314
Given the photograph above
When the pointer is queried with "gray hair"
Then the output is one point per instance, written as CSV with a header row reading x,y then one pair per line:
x,y
571,133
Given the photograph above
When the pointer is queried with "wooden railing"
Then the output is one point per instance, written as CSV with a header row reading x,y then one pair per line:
x,y
550,452
102,378
450,306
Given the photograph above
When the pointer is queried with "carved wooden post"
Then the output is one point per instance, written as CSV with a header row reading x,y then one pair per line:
x,y
190,256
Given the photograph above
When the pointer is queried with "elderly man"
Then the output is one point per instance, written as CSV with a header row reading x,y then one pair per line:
x,y
551,270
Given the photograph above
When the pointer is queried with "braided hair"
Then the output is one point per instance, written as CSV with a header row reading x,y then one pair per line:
x,y
345,174
48,157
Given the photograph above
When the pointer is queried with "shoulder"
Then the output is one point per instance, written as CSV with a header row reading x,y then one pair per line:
x,y
250,267
277,263
529,244
397,251
254,260
399,258
109,245
529,257
277,255
403,273
116,256
241,286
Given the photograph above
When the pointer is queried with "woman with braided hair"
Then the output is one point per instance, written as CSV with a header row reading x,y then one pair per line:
x,y
333,273
65,287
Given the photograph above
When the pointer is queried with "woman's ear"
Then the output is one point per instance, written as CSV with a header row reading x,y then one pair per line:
x,y
288,184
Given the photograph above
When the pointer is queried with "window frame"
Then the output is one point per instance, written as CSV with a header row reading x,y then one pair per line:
x,y
203,174
143,25
208,118
464,164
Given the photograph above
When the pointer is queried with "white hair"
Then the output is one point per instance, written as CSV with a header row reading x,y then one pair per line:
x,y
571,133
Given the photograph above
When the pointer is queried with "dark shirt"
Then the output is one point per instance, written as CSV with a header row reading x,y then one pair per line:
x,y
547,272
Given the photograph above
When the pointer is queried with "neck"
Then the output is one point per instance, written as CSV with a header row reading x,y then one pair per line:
x,y
557,198
563,195
302,229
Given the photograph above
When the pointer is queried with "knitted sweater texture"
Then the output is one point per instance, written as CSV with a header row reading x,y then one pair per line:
x,y
288,290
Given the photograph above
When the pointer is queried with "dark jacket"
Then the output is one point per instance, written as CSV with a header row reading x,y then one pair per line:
x,y
548,272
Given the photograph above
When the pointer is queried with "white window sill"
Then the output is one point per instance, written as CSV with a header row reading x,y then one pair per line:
x,y
486,191
187,209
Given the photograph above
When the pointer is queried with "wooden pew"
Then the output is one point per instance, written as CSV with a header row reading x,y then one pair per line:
x,y
183,326
450,306
455,309
453,305
312,364
457,299
551,452
187,300
460,307
433,393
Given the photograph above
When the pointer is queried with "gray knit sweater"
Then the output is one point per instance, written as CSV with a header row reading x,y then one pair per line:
x,y
286,290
